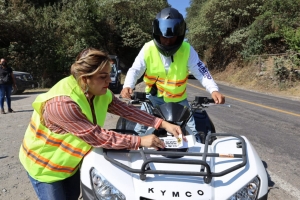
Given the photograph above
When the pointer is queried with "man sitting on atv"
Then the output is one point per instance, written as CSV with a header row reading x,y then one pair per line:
x,y
165,62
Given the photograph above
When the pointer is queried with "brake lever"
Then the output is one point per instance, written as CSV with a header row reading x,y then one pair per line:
x,y
135,101
213,104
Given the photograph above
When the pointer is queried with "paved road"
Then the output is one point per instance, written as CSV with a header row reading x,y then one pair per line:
x,y
14,183
271,124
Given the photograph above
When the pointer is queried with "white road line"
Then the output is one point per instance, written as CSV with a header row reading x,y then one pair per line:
x,y
284,185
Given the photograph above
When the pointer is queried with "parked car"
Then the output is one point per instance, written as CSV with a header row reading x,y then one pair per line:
x,y
115,74
24,80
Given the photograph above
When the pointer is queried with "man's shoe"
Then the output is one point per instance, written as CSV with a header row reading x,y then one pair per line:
x,y
11,110
2,111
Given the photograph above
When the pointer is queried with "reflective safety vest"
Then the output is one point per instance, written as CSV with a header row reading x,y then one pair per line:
x,y
171,86
48,156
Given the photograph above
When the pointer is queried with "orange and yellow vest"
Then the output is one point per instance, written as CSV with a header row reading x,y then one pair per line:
x,y
171,86
48,156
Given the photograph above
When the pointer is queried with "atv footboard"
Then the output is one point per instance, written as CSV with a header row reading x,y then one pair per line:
x,y
205,168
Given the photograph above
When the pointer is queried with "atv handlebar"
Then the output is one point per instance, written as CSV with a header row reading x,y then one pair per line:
x,y
203,100
139,97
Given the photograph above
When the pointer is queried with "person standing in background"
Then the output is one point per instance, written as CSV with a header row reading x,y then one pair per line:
x,y
7,81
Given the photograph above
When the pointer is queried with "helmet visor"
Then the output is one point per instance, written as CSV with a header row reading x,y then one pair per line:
x,y
169,27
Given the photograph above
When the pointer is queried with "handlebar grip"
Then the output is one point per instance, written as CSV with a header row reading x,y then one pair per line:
x,y
139,95
135,102
210,101
203,100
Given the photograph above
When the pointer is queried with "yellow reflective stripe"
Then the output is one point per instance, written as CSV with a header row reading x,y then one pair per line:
x,y
178,82
38,159
148,84
150,78
156,78
79,153
169,94
167,82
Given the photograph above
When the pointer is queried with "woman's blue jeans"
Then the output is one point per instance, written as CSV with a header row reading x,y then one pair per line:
x,y
68,189
5,90
141,129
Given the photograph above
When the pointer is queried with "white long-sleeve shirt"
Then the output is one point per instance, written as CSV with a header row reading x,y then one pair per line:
x,y
195,65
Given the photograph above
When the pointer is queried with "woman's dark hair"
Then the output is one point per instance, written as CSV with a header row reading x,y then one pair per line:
x,y
89,62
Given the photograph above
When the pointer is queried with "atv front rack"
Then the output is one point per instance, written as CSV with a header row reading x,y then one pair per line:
x,y
205,168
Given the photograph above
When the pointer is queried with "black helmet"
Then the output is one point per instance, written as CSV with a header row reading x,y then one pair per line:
x,y
168,23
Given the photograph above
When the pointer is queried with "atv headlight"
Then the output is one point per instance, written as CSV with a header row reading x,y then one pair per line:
x,y
103,189
248,192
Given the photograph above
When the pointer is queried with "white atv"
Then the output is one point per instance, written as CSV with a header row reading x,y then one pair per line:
x,y
222,166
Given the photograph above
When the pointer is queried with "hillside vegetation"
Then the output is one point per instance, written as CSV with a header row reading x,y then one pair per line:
x,y
251,43
252,78
44,36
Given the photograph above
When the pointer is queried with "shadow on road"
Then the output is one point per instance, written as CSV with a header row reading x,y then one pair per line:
x,y
3,157
24,111
33,92
26,94
270,182
13,97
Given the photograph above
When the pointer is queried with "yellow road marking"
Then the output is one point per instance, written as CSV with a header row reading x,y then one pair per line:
x,y
259,105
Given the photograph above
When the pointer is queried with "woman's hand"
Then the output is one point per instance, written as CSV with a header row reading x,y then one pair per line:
x,y
173,129
152,141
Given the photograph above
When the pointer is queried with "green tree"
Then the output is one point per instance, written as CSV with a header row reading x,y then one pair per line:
x,y
220,28
43,37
